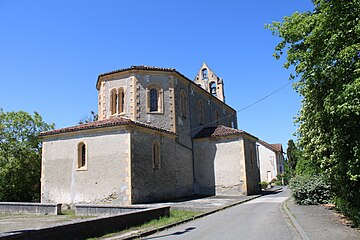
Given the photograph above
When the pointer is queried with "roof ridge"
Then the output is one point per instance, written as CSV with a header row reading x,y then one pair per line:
x,y
220,131
108,122
270,145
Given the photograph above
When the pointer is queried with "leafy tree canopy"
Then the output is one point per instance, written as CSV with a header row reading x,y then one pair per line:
x,y
292,155
323,46
89,118
20,155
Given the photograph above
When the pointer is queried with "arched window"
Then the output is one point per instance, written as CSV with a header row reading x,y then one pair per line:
x,y
113,101
204,73
217,117
183,103
201,112
212,88
154,99
156,156
121,101
82,155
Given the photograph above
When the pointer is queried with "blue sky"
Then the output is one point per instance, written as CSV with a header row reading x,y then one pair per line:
x,y
51,53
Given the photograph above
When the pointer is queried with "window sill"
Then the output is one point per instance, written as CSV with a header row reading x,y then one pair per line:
x,y
82,168
118,114
156,113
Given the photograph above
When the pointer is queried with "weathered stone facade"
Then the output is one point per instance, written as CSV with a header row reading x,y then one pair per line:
x,y
146,144
105,176
172,180
225,163
271,160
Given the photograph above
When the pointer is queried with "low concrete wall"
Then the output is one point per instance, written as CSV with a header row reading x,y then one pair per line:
x,y
94,227
98,209
30,208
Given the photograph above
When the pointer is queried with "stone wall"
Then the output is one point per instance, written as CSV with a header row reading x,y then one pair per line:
x,y
219,166
135,86
105,177
30,208
162,119
183,123
227,116
279,163
126,82
252,167
90,227
267,161
172,180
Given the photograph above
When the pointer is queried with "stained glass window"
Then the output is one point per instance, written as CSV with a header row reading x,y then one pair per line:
x,y
153,100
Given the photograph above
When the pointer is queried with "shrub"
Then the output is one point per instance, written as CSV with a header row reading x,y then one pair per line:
x,y
349,209
278,181
263,185
310,190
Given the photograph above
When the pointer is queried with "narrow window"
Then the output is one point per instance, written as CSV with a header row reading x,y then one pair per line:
x,y
121,101
113,102
201,112
154,96
183,103
156,155
204,73
81,155
212,87
251,157
217,117
153,100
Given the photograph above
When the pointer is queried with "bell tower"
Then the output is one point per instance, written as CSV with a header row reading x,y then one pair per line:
x,y
209,81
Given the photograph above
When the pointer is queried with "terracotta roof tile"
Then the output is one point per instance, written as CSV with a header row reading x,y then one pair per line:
x,y
276,147
152,68
115,121
220,131
142,67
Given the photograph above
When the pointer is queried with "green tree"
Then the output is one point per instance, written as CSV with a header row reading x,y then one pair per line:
x,y
292,154
20,155
323,46
90,118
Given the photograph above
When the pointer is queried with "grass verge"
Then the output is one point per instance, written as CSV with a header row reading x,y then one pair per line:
x,y
175,216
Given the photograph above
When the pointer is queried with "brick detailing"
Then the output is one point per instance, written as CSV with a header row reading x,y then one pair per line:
x,y
136,97
172,103
103,101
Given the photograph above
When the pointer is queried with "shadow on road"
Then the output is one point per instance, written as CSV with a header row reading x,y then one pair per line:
x,y
174,234
271,192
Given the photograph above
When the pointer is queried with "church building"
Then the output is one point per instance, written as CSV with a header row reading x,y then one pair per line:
x,y
159,136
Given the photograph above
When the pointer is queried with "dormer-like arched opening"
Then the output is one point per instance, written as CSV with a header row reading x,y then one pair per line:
x,y
212,88
204,73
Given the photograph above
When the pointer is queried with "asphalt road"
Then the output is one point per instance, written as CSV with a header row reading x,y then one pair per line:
x,y
262,218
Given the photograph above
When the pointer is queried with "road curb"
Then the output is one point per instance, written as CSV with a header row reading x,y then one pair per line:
x,y
154,230
301,231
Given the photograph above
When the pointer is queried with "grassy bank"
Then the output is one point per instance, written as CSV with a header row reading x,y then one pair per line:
x,y
175,216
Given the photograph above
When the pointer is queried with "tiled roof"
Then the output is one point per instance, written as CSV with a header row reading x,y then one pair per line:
x,y
220,131
142,67
276,147
160,69
115,121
